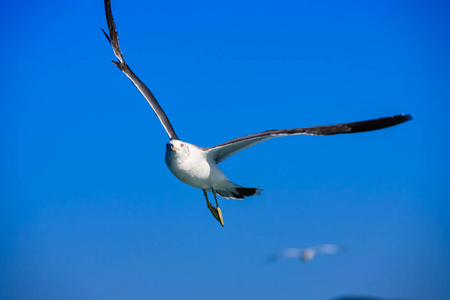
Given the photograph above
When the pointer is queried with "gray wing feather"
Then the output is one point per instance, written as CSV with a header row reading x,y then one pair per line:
x,y
220,152
145,91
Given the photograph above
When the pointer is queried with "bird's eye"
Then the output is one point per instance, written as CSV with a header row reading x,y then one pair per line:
x,y
182,145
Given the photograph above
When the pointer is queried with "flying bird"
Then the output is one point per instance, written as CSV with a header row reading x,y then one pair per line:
x,y
198,166
306,254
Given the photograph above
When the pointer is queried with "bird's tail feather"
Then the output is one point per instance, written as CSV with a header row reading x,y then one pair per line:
x,y
235,191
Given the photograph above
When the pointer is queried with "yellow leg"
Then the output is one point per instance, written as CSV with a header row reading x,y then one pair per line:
x,y
213,210
218,208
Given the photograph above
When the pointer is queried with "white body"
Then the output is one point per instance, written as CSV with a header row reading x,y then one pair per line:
x,y
190,164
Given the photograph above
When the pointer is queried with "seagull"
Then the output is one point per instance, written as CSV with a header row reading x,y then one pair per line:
x,y
198,166
306,254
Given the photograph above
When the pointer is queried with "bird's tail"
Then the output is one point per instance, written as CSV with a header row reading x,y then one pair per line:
x,y
234,191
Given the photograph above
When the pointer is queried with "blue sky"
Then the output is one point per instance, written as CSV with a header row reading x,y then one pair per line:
x,y
90,210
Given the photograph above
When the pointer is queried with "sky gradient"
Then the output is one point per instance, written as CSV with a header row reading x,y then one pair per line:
x,y
89,209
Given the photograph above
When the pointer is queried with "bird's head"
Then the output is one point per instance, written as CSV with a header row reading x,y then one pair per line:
x,y
307,255
177,149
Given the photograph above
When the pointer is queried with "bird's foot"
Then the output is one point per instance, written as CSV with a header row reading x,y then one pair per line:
x,y
220,216
217,213
214,211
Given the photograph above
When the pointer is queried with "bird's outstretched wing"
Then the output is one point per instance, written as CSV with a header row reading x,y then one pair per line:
x,y
145,91
326,249
221,152
285,253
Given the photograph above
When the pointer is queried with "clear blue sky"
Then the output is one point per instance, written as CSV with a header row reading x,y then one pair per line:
x,y
89,209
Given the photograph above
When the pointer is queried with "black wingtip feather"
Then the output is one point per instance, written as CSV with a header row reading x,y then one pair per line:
x,y
378,123
107,36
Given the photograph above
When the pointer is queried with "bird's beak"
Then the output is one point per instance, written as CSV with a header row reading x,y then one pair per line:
x,y
173,148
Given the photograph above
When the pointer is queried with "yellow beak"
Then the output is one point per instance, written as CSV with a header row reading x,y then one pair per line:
x,y
173,148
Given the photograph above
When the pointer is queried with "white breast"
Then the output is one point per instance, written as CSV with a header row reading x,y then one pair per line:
x,y
191,167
